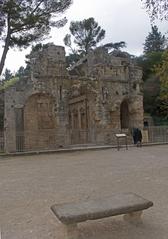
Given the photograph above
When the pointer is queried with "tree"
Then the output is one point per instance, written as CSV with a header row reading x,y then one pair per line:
x,y
157,8
7,74
154,46
153,49
115,46
20,72
72,58
87,34
162,72
25,21
151,86
155,41
148,62
35,48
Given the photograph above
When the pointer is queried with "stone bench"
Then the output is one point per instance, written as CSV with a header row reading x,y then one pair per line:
x,y
129,204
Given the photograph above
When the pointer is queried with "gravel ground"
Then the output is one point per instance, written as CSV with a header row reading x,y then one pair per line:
x,y
29,185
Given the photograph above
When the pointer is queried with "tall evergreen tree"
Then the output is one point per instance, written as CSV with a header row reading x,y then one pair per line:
x,y
155,41
153,49
7,74
148,62
87,34
25,21
162,72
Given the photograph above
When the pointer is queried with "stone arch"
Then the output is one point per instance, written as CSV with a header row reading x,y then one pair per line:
x,y
124,114
39,122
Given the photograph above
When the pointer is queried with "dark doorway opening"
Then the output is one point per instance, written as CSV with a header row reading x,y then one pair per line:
x,y
124,115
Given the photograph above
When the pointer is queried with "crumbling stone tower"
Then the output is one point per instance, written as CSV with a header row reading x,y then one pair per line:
x,y
34,107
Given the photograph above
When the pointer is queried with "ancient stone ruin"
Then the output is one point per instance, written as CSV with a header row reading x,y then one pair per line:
x,y
54,107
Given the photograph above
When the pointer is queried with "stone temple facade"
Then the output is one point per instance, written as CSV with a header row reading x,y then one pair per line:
x,y
55,107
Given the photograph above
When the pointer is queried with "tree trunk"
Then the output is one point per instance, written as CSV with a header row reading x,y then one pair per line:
x,y
6,48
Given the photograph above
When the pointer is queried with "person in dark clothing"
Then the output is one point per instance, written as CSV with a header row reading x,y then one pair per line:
x,y
137,136
134,134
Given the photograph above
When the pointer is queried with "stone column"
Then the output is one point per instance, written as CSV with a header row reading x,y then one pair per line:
x,y
136,111
9,123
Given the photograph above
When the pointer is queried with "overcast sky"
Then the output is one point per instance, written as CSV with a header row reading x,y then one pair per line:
x,y
123,20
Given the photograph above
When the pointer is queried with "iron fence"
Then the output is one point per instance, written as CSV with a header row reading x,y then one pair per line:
x,y
20,141
157,134
50,140
1,141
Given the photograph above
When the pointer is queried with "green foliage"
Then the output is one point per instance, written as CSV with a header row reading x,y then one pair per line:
x,y
87,34
160,120
26,21
9,83
68,43
31,20
153,48
7,75
20,72
162,72
151,94
148,63
155,75
72,58
153,51
155,41
157,8
115,46
35,48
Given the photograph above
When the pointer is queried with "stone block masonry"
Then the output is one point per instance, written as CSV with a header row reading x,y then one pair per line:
x,y
52,107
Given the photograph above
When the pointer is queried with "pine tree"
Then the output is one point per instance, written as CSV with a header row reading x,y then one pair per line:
x,y
25,21
87,34
155,41
162,72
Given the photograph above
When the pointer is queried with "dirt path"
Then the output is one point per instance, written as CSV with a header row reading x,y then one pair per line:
x,y
29,185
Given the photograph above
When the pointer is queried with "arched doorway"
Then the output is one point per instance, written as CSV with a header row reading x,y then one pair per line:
x,y
124,115
39,122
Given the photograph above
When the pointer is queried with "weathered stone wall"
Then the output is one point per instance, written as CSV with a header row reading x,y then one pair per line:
x,y
45,82
117,80
1,111
53,107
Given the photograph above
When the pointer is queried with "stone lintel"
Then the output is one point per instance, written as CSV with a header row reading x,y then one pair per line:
x,y
77,99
